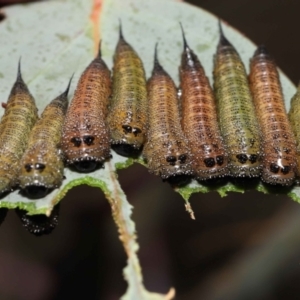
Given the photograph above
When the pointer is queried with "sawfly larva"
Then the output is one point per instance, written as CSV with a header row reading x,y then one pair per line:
x,y
42,165
294,117
85,140
279,148
127,114
39,224
19,117
238,122
166,151
199,118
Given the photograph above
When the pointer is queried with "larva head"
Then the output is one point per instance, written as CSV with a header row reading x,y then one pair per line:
x,y
39,224
279,172
38,178
245,164
128,139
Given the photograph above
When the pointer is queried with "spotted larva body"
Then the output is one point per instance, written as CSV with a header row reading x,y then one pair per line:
x,y
279,161
42,165
19,117
294,117
238,121
199,118
85,140
166,151
127,116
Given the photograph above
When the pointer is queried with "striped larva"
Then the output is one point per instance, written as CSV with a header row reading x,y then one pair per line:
x,y
199,118
85,140
238,122
18,119
166,150
42,164
127,115
294,117
279,147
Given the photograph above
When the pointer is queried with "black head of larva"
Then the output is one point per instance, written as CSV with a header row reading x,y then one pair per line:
x,y
178,179
39,224
125,149
36,191
86,165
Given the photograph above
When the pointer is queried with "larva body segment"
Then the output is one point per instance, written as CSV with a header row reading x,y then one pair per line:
x,y
279,161
127,115
85,140
238,122
199,118
166,150
19,117
294,117
42,165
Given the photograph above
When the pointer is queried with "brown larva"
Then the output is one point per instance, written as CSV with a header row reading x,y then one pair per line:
x,y
279,161
85,140
42,165
166,151
199,118
127,115
18,119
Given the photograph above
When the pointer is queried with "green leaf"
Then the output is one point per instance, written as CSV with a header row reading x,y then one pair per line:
x,y
57,38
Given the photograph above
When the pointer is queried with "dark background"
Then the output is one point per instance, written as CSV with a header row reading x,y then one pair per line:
x,y
240,247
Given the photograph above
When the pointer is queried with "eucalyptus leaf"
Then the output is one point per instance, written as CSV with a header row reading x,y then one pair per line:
x,y
58,38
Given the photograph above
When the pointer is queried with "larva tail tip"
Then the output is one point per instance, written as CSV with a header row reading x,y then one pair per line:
x,y
19,75
185,44
120,30
66,92
157,65
223,40
261,50
99,49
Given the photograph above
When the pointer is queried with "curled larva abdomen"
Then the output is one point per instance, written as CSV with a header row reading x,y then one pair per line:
x,y
199,118
18,119
294,117
85,140
166,151
279,160
238,122
42,164
127,114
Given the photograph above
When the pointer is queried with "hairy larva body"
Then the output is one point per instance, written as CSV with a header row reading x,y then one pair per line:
x,y
199,118
127,115
19,117
279,161
166,150
42,165
294,117
238,122
85,140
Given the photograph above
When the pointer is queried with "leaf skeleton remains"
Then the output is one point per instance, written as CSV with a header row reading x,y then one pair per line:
x,y
238,128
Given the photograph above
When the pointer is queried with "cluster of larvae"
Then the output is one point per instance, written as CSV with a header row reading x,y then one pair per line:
x,y
239,129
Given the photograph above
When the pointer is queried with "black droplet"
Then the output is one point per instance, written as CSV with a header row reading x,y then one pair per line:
x,y
274,168
76,141
209,162
127,128
285,170
178,180
88,140
242,158
220,160
182,158
253,158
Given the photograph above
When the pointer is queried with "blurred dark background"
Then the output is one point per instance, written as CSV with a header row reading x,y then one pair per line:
x,y
239,247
